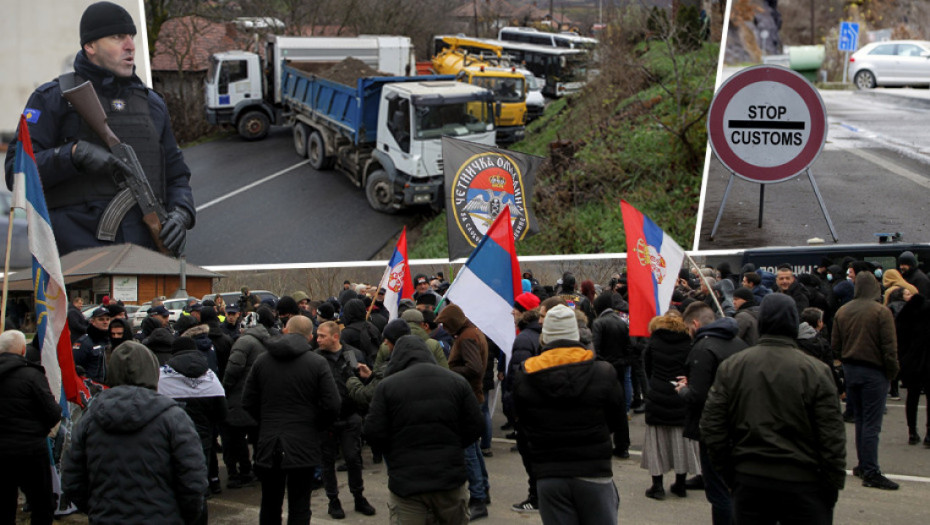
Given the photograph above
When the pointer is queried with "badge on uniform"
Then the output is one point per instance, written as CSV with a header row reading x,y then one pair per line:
x,y
118,104
32,115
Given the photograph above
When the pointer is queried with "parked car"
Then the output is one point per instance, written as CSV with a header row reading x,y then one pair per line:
x,y
891,63
233,297
174,306
19,252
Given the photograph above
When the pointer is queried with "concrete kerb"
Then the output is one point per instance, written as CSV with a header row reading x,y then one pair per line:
x,y
904,96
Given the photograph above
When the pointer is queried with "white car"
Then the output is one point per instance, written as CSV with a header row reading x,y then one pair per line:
x,y
174,306
535,102
891,63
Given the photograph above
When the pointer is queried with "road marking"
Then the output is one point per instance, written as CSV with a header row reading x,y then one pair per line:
x,y
250,186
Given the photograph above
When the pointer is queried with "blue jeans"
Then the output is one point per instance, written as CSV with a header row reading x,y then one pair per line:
x,y
477,473
716,491
628,386
866,390
486,411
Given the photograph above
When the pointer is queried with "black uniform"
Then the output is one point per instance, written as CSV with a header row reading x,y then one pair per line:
x,y
76,201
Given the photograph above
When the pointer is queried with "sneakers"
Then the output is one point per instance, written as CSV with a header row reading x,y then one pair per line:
x,y
363,507
913,437
525,506
477,510
657,493
335,509
679,490
878,481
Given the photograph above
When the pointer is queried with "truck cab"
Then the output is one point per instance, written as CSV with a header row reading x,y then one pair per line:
x,y
234,94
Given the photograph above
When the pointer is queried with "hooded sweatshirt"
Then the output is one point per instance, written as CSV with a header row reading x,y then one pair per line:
x,y
864,331
135,455
187,379
422,416
469,354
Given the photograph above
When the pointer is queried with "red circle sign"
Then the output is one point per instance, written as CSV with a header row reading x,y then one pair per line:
x,y
767,124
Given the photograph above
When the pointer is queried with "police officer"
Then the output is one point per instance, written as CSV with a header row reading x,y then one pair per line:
x,y
90,350
78,173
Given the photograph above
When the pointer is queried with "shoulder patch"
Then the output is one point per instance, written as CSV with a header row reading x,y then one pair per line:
x,y
32,115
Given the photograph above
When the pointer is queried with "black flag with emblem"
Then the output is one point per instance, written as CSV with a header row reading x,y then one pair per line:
x,y
479,181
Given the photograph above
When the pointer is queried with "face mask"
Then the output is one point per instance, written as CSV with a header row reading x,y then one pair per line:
x,y
829,277
878,273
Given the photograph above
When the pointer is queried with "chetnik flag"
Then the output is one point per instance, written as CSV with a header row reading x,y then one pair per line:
x,y
480,181
486,286
652,263
396,281
52,335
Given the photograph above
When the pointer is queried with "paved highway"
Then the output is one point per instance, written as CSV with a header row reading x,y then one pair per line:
x,y
259,203
874,175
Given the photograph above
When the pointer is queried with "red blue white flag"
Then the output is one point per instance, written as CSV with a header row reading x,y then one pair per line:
x,y
52,335
652,263
396,281
487,285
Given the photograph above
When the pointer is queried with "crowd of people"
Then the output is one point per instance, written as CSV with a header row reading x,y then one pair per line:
x,y
292,390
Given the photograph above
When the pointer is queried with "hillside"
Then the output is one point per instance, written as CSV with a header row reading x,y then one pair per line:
x,y
636,132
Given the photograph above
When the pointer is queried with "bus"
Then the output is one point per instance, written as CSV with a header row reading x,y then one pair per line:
x,y
564,71
531,35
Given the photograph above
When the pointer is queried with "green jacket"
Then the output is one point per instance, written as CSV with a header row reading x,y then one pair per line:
x,y
415,329
774,412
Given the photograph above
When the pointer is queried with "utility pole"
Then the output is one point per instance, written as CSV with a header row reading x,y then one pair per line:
x,y
475,4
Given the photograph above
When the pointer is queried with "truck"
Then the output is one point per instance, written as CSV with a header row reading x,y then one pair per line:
x,y
385,133
244,89
488,69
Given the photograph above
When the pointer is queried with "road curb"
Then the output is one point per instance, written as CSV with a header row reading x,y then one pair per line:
x,y
896,98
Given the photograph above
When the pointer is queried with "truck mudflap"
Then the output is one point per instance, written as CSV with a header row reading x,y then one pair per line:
x,y
510,134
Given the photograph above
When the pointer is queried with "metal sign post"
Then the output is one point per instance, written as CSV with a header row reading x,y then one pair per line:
x,y
767,124
848,41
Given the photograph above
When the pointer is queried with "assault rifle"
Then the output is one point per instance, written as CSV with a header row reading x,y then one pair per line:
x,y
134,187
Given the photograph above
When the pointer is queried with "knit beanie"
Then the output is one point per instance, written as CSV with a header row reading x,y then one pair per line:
x,y
326,311
560,323
105,19
745,294
182,344
395,330
907,258
412,316
287,305
525,301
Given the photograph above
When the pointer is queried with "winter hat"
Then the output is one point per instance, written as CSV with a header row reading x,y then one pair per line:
x,y
526,285
326,311
603,302
265,316
105,19
525,301
183,344
744,294
778,315
427,299
132,364
115,309
184,323
209,315
299,296
287,305
907,258
412,316
560,323
395,330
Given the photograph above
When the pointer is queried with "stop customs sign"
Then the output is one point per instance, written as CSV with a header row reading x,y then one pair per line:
x,y
767,124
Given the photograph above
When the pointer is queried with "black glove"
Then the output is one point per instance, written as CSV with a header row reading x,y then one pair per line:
x,y
174,230
92,159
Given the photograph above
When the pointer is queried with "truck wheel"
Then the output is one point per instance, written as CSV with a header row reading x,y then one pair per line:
x,y
380,192
316,152
253,125
300,139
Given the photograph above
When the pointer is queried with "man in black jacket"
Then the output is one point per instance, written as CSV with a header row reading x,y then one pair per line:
x,y
423,415
27,414
291,393
773,426
90,350
567,403
907,265
713,341
612,344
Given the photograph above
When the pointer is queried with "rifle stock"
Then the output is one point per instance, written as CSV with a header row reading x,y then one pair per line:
x,y
84,100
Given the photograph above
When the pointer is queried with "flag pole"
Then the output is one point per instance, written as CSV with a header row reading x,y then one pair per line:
x,y
704,280
6,269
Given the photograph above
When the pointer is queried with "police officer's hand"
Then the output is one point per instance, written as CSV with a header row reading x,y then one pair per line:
x,y
174,230
93,159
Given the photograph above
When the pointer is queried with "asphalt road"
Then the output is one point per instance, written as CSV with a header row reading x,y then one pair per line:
x,y
259,203
909,465
873,173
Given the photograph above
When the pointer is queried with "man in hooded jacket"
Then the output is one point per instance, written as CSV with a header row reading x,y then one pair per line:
x,y
135,456
358,332
422,416
773,426
864,337
568,404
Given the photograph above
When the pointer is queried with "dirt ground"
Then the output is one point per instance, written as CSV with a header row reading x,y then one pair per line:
x,y
346,72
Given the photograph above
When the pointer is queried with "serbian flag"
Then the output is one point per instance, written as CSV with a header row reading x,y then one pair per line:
x,y
396,280
486,286
652,264
52,335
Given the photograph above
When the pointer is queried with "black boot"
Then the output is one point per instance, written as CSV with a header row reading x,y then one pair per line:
x,y
656,491
913,437
678,488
